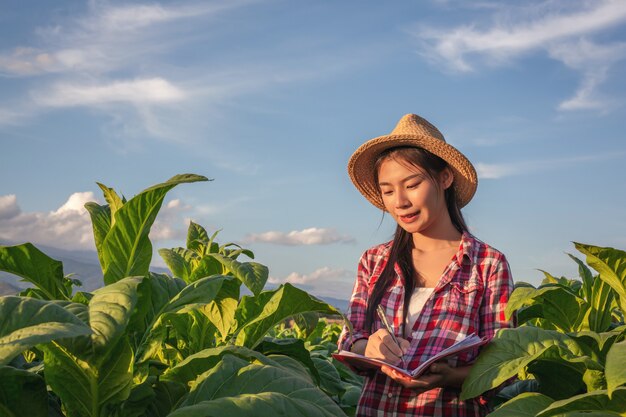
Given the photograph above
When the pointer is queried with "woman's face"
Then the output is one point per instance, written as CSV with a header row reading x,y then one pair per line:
x,y
411,196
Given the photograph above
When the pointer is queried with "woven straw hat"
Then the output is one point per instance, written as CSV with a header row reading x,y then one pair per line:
x,y
412,130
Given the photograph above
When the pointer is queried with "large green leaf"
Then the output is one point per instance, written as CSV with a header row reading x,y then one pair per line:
x,y
110,310
22,393
557,378
34,266
155,291
265,404
615,367
89,388
221,312
611,264
198,363
194,295
293,348
285,302
234,377
559,305
598,316
512,350
589,402
585,275
111,197
179,261
26,322
196,236
527,404
152,398
101,224
205,267
127,250
252,274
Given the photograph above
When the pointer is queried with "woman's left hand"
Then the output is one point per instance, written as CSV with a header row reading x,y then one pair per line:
x,y
440,374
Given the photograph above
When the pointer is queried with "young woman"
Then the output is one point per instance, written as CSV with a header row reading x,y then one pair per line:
x,y
435,281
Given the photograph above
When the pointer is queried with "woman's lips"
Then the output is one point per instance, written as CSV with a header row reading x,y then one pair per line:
x,y
409,218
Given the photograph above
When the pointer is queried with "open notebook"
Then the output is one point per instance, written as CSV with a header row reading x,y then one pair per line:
x,y
354,359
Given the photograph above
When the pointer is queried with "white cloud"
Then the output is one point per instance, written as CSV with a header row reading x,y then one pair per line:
x,y
552,27
325,281
8,206
310,236
140,91
69,227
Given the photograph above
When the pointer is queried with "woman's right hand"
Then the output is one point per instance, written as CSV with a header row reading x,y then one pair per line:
x,y
380,345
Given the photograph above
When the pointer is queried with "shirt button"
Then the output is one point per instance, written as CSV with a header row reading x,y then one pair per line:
x,y
389,395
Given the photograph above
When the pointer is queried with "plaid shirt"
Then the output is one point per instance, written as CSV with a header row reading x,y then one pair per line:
x,y
470,298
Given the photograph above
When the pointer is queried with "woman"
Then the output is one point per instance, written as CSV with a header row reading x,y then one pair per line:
x,y
435,281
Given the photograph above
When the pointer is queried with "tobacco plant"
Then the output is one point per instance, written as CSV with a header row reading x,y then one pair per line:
x,y
569,351
148,344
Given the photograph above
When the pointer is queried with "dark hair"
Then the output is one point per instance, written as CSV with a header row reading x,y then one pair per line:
x,y
402,244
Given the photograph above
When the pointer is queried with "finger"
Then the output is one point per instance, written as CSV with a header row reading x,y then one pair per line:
x,y
392,346
391,350
404,344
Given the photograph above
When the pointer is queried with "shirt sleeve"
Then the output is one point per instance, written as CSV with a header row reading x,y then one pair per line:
x,y
498,288
357,307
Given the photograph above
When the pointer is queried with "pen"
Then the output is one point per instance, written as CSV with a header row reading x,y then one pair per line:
x,y
383,318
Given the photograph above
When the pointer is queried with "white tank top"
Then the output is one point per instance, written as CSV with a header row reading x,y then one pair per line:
x,y
418,299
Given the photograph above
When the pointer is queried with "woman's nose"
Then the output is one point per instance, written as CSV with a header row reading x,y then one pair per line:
x,y
401,200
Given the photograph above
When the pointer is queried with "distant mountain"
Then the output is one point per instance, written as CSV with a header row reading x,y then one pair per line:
x,y
86,268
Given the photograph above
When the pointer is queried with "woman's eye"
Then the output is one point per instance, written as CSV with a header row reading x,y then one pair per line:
x,y
415,185
387,192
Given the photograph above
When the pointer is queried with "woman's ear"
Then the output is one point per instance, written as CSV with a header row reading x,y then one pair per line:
x,y
446,178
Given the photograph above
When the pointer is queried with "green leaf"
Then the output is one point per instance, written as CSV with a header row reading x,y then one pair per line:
x,y
205,267
585,275
589,402
101,224
22,393
285,302
198,363
196,237
559,305
179,261
598,317
110,310
293,348
265,404
152,398
26,322
89,388
252,274
527,404
329,376
615,370
155,291
611,264
557,378
192,296
513,349
221,312
115,202
34,266
127,250
234,377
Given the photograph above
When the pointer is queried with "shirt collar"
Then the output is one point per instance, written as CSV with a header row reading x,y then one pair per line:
x,y
465,254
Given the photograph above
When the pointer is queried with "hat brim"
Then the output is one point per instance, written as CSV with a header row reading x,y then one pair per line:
x,y
362,164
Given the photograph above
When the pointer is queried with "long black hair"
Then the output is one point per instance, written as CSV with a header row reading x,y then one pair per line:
x,y
402,244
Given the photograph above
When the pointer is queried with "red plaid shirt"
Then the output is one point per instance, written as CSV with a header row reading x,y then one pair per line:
x,y
470,298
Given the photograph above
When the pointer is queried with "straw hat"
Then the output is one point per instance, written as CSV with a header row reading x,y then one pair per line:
x,y
412,130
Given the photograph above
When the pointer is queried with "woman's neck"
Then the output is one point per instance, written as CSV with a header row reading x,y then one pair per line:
x,y
438,238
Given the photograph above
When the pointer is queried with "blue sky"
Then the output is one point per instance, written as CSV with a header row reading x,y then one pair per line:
x,y
270,98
